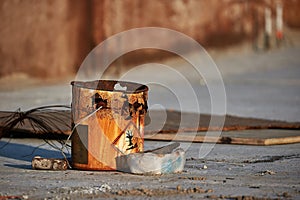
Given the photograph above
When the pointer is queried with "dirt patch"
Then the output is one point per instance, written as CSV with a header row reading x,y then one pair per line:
x,y
273,158
239,197
162,192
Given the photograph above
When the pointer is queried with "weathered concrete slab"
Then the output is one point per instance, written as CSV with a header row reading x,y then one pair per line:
x,y
227,171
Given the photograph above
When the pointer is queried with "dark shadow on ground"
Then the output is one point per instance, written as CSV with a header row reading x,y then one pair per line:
x,y
24,152
19,166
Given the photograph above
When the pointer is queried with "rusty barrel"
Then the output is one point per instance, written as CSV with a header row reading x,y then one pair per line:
x,y
108,122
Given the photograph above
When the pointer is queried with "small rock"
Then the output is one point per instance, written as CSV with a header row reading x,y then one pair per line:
x,y
254,187
204,167
229,178
269,172
286,195
212,197
120,192
190,190
48,163
209,191
104,188
197,178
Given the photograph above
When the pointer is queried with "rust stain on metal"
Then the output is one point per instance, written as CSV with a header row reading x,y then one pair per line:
x,y
116,124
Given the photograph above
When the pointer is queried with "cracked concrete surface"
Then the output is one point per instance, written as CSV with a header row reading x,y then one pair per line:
x,y
231,171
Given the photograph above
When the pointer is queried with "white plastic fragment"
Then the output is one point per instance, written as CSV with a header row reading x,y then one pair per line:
x,y
153,163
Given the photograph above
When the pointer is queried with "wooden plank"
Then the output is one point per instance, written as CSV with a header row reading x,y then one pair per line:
x,y
62,121
181,121
258,137
247,130
285,140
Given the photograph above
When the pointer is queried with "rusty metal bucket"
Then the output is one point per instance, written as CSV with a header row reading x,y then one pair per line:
x,y
108,120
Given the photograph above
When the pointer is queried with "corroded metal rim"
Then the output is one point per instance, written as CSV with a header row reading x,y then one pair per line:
x,y
109,85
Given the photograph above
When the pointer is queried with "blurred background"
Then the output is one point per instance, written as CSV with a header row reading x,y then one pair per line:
x,y
255,44
50,38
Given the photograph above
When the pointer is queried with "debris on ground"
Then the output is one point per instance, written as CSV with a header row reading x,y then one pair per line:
x,y
194,178
49,163
267,172
104,188
163,160
162,192
240,197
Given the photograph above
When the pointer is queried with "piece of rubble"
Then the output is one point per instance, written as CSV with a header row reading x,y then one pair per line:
x,y
267,172
49,163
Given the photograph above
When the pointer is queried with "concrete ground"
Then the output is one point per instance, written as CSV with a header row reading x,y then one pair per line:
x,y
228,171
264,84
